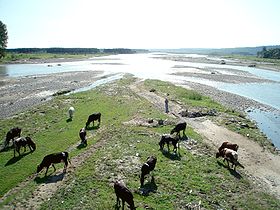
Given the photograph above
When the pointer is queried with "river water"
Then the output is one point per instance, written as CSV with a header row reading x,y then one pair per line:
x,y
147,67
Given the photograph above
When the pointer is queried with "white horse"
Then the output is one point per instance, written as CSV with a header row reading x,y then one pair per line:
x,y
71,111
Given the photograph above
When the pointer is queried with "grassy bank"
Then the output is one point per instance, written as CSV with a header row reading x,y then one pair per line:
x,y
188,178
33,57
231,119
254,59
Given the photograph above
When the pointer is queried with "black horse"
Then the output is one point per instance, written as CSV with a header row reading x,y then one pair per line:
x,y
92,118
11,134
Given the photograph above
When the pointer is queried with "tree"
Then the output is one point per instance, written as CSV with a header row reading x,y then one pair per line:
x,y
3,39
270,53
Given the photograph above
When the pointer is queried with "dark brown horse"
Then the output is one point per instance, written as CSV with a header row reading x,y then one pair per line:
x,y
93,117
23,142
11,134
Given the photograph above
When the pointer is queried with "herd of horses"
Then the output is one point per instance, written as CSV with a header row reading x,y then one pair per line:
x,y
18,142
227,150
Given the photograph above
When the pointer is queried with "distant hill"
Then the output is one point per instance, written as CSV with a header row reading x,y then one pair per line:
x,y
218,51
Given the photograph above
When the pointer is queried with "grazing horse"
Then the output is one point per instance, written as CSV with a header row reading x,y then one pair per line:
x,y
93,117
11,134
83,137
147,168
23,142
71,111
230,156
181,126
51,159
167,139
229,145
123,193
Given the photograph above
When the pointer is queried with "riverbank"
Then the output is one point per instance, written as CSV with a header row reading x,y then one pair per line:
x,y
222,60
21,93
129,132
36,58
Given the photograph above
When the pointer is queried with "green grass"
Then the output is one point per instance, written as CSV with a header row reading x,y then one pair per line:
x,y
179,180
10,57
193,100
188,98
254,58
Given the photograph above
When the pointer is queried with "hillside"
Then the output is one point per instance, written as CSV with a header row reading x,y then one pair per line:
x,y
218,51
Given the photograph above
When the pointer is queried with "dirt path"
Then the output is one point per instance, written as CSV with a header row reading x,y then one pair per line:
x,y
261,166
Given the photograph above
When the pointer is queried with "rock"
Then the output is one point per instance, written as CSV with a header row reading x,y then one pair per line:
x,y
184,113
244,125
160,122
150,121
222,62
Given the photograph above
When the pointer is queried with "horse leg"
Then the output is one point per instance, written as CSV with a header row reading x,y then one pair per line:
x,y
118,202
65,166
18,150
47,170
6,143
53,167
122,204
30,148
168,146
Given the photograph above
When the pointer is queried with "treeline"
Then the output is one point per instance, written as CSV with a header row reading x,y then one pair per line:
x,y
269,53
250,51
56,50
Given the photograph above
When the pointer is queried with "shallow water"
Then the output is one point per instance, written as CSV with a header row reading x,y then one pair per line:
x,y
146,67
17,70
98,83
269,123
265,93
262,73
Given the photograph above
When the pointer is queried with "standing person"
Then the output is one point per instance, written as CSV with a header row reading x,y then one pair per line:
x,y
166,105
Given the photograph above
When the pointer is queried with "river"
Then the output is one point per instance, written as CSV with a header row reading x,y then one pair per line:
x,y
147,67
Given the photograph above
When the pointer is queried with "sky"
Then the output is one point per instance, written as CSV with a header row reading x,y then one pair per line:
x,y
141,24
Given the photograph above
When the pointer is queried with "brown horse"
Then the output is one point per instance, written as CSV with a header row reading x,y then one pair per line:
x,y
23,142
